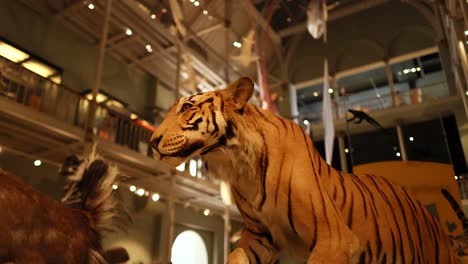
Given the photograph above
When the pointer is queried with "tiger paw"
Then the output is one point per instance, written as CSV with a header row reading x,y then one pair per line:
x,y
238,256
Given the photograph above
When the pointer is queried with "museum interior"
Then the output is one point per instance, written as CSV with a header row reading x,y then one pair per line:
x,y
387,78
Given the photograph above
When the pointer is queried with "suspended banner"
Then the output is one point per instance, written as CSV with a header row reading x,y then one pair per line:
x,y
327,116
317,18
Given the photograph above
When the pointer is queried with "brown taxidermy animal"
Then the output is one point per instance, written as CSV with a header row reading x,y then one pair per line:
x,y
289,197
34,228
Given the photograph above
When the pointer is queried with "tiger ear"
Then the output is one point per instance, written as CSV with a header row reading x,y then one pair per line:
x,y
239,92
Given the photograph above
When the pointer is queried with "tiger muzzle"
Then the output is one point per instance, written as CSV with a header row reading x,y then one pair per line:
x,y
169,144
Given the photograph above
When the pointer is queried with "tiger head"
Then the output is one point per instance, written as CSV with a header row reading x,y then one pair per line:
x,y
200,123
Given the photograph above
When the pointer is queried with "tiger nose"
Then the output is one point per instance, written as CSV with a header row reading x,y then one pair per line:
x,y
155,142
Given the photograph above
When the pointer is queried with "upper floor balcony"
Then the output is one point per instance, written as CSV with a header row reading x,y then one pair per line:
x,y
42,119
403,89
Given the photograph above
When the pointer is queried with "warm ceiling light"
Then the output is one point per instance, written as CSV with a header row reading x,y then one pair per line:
x,y
56,79
12,53
99,98
155,197
91,6
196,3
205,12
129,32
153,16
114,103
38,68
237,44
37,163
132,188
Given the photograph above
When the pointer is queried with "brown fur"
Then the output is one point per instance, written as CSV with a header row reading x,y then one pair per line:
x,y
37,229
289,197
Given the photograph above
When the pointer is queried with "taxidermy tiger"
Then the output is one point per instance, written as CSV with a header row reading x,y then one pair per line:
x,y
289,197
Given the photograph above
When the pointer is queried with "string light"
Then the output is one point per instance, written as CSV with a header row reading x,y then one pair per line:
x,y
210,17
237,44
205,12
149,48
330,90
129,32
315,94
411,138
196,3
398,154
346,150
155,197
91,6
115,186
207,212
37,163
153,16
140,192
132,188
306,122
466,32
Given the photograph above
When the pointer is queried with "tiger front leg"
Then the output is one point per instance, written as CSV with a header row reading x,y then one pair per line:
x,y
253,249
333,250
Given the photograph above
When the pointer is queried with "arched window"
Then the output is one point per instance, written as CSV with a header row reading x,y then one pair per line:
x,y
189,247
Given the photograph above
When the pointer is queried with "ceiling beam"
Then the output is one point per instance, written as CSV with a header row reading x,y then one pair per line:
x,y
68,8
205,5
336,14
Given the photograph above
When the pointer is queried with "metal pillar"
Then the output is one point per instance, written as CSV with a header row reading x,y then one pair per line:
x,y
341,150
391,83
227,230
170,219
336,96
227,24
401,141
178,68
98,78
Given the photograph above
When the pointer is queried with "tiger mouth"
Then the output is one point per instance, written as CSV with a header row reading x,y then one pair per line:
x,y
184,151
